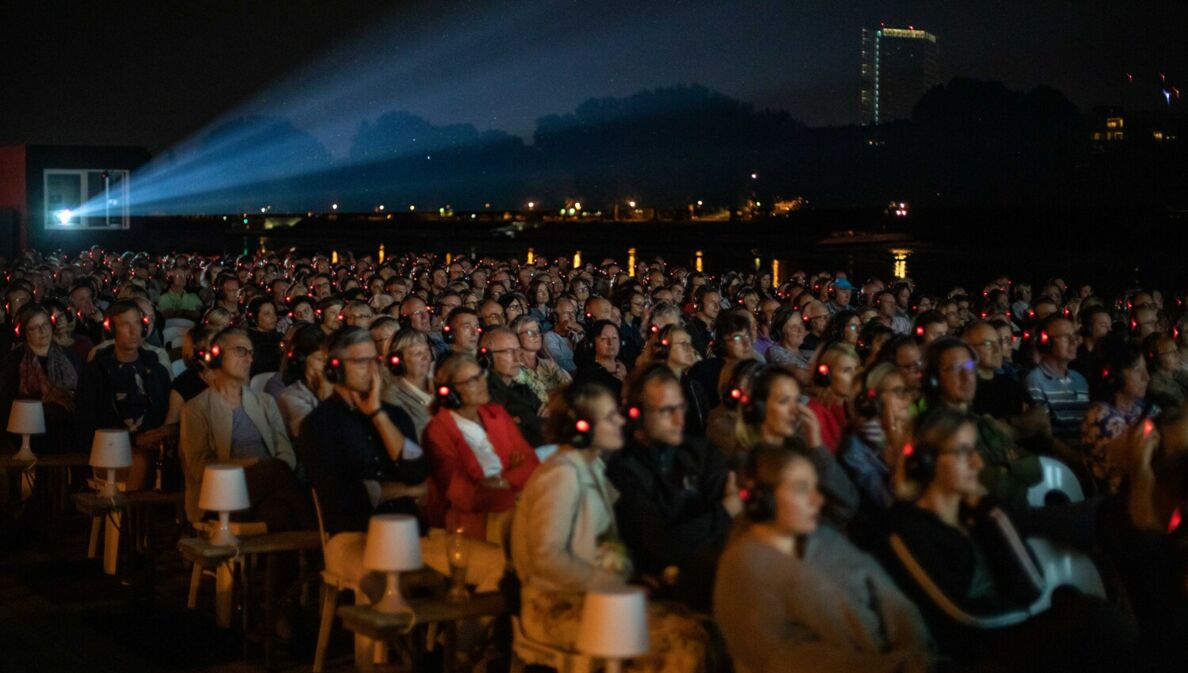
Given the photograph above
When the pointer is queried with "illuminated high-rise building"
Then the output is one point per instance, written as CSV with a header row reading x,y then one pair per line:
x,y
898,66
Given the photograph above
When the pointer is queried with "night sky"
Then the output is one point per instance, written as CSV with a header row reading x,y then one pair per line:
x,y
153,74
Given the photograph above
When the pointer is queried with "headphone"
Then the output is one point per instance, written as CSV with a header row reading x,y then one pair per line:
x,y
867,404
448,397
919,463
754,405
396,364
823,376
1043,341
932,360
334,371
144,330
582,434
759,504
16,325
483,357
664,341
213,358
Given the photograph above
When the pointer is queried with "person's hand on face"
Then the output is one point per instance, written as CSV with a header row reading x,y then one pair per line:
x,y
368,402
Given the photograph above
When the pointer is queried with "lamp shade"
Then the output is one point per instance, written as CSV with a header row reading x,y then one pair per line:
x,y
393,543
27,418
111,448
224,489
614,624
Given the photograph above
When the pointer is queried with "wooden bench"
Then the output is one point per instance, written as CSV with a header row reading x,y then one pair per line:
x,y
365,621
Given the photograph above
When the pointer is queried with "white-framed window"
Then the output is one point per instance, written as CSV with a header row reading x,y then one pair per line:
x,y
86,198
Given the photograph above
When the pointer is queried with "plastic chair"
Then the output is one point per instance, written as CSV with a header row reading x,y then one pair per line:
x,y
171,334
1058,479
1064,566
259,381
178,367
182,323
331,585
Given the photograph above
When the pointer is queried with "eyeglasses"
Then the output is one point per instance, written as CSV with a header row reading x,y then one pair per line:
x,y
472,380
898,391
740,338
531,333
987,343
240,351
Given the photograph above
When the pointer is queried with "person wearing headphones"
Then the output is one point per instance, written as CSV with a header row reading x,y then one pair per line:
x,y
39,368
964,561
793,594
678,494
177,301
462,330
478,456
499,350
724,418
408,382
1119,404
1169,382
673,347
303,374
834,372
125,386
1063,391
880,426
261,322
329,313
707,304
230,423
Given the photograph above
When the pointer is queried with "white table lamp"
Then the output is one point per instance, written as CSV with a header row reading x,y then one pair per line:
x,y
111,450
614,626
224,490
393,546
26,418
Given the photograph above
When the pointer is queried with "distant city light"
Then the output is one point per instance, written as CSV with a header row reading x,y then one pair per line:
x,y
411,207
381,207
631,203
578,205
531,205
699,203
754,176
333,206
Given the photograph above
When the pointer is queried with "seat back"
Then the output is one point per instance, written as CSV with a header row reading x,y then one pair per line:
x,y
259,381
181,323
1064,566
1058,484
536,653
321,525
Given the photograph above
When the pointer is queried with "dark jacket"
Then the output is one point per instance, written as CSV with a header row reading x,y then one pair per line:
x,y
266,347
670,511
521,403
96,404
340,449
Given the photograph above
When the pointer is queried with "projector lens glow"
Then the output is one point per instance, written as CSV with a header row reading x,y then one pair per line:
x,y
64,216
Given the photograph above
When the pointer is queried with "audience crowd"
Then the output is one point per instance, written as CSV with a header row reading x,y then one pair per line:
x,y
806,473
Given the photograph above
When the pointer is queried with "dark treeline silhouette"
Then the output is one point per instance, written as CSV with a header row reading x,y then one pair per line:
x,y
969,144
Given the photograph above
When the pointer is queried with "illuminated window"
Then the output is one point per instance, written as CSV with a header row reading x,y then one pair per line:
x,y
86,198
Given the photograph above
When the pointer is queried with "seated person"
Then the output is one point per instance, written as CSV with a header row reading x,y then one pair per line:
x,y
408,383
1119,404
962,559
791,594
505,375
773,414
303,371
678,494
229,423
870,447
565,541
478,456
39,368
361,460
126,386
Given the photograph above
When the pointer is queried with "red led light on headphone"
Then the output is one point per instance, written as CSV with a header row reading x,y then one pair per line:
x,y
736,394
633,413
395,359
1174,522
908,450
443,391
582,426
823,369
744,494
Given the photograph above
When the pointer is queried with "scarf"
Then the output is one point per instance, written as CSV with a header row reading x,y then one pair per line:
x,y
53,384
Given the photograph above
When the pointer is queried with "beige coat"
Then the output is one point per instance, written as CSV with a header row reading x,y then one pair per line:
x,y
206,436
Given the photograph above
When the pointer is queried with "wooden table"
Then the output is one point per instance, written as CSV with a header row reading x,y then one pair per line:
x,y
365,621
133,515
56,467
205,555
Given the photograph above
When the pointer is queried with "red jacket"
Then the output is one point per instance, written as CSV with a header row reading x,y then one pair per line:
x,y
833,422
456,498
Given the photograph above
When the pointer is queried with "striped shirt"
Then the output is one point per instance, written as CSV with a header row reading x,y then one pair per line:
x,y
1066,397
